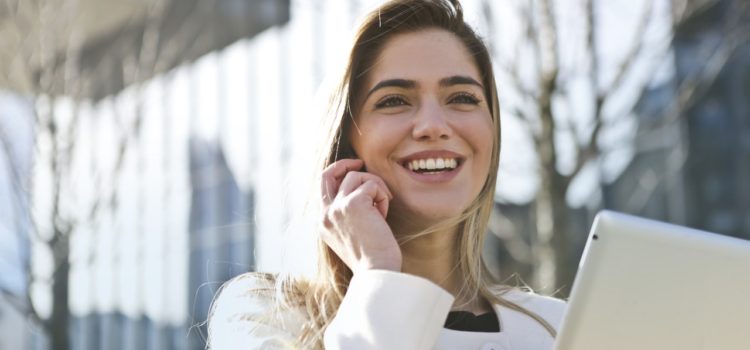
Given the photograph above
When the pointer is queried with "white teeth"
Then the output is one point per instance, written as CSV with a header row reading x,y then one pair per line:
x,y
440,163
432,164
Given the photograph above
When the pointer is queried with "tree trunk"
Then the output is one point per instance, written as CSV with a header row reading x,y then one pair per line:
x,y
544,253
552,272
58,324
560,241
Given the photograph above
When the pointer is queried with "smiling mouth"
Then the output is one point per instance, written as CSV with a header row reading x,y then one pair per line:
x,y
432,165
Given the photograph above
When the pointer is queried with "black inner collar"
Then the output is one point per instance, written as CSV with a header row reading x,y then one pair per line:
x,y
467,321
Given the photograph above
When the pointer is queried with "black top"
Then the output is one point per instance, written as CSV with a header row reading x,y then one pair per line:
x,y
467,321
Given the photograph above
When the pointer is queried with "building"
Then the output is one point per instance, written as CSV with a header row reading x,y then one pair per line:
x,y
178,223
16,145
693,169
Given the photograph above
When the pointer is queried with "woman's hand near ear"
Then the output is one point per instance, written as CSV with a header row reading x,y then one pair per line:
x,y
355,205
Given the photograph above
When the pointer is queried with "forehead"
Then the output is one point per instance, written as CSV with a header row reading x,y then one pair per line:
x,y
425,56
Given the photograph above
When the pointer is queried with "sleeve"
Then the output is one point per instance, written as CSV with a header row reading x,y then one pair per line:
x,y
389,310
241,317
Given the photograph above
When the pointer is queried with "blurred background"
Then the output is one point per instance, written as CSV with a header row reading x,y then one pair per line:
x,y
152,149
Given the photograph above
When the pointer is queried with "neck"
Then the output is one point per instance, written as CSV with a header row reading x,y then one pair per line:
x,y
435,257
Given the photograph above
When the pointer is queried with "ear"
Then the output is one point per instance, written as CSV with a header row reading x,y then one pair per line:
x,y
346,148
349,153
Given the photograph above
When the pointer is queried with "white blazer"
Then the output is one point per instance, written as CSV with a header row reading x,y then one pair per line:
x,y
381,310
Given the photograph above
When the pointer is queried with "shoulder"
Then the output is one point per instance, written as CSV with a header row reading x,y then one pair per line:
x,y
549,308
246,284
245,314
242,297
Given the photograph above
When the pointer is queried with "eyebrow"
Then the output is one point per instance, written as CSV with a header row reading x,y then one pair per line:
x,y
459,80
410,84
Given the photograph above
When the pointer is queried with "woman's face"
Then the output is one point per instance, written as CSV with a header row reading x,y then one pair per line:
x,y
424,126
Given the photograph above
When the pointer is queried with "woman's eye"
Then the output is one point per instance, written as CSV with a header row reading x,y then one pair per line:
x,y
391,101
464,98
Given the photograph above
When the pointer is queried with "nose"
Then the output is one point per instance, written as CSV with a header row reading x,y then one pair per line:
x,y
430,123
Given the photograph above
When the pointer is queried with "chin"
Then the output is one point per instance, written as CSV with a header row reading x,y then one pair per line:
x,y
434,210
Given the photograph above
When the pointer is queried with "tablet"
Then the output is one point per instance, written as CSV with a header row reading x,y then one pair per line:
x,y
643,284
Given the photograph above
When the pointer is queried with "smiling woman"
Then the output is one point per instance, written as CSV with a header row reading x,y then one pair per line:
x,y
407,184
426,107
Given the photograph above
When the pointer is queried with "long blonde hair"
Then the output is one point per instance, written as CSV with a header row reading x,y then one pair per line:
x,y
319,298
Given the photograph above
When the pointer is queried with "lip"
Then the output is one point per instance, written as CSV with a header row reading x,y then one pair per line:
x,y
443,176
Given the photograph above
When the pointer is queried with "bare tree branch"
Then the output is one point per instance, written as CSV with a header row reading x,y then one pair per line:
x,y
649,182
52,74
547,44
512,69
548,69
635,51
511,66
519,249
587,151
22,305
684,10
545,124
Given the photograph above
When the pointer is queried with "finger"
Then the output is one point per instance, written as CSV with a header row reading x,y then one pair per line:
x,y
354,179
382,204
334,174
374,195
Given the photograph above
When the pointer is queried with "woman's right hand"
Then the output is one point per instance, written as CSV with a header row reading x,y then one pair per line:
x,y
355,205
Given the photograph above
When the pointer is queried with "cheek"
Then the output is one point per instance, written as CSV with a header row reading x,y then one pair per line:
x,y
482,140
361,142
374,142
487,139
373,151
480,134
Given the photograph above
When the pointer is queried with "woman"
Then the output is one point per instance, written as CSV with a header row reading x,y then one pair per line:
x,y
407,189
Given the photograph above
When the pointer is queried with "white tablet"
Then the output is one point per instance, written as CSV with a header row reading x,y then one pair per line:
x,y
648,285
